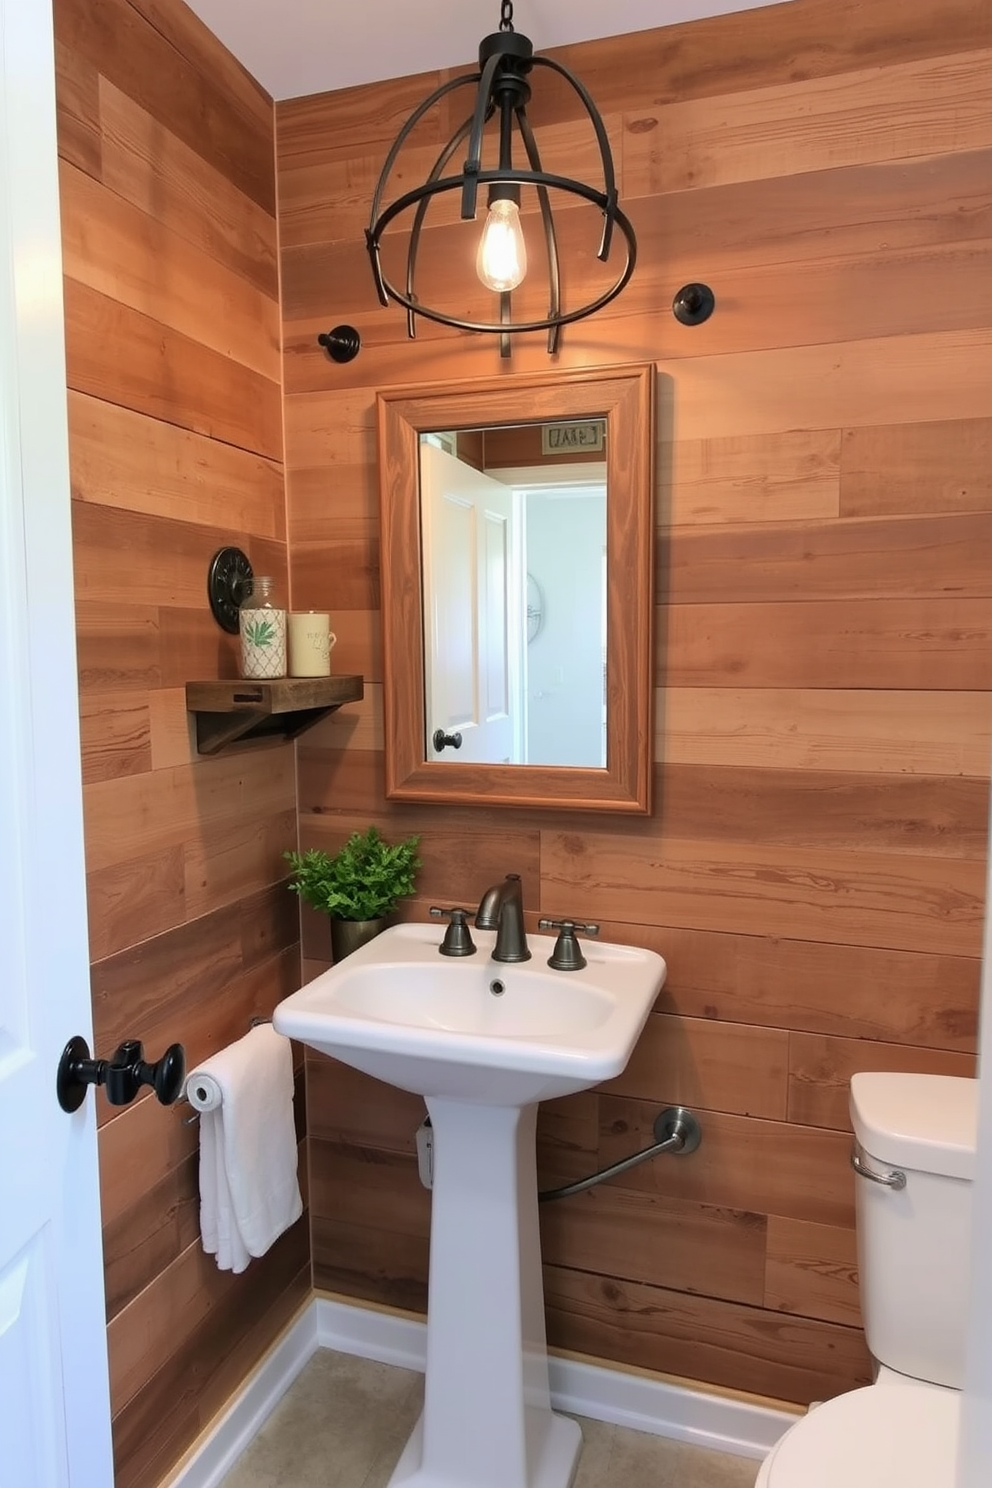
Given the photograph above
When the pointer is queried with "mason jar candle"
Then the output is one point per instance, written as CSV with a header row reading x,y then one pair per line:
x,y
262,623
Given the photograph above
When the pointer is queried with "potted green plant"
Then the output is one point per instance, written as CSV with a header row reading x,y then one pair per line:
x,y
358,887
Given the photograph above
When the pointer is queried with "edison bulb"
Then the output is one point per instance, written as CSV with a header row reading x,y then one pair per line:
x,y
501,262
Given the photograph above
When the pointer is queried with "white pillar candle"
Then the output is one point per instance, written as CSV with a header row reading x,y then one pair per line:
x,y
310,642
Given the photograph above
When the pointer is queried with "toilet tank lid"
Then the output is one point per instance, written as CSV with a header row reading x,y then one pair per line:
x,y
928,1123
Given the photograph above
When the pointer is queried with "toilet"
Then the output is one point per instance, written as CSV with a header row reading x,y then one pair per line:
x,y
914,1154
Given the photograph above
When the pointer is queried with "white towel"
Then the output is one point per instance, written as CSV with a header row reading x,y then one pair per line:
x,y
249,1193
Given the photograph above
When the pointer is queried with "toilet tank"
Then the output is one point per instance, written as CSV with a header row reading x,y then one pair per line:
x,y
914,1242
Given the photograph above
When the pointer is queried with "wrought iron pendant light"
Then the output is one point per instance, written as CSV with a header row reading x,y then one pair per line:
x,y
502,92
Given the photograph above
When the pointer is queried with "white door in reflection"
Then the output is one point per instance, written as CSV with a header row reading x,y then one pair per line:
x,y
470,623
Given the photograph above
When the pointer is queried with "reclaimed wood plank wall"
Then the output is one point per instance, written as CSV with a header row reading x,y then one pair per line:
x,y
813,871
173,344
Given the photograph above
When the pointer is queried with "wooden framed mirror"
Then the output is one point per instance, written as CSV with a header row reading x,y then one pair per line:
x,y
595,585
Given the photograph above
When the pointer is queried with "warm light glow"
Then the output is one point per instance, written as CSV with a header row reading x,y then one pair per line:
x,y
501,262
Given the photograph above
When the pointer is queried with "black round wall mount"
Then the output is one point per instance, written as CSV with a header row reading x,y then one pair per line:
x,y
228,574
342,343
693,304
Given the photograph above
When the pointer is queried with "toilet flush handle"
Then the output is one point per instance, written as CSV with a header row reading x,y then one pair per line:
x,y
893,1178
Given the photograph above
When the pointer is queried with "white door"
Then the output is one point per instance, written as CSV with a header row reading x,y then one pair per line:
x,y
54,1410
471,625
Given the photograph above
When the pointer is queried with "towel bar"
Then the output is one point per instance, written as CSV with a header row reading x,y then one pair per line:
x,y
256,1022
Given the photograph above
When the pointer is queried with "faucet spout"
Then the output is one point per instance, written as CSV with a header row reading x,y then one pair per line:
x,y
501,908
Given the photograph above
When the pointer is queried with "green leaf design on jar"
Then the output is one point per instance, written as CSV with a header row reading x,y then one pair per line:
x,y
260,632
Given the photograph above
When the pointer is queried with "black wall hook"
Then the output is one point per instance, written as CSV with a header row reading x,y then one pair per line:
x,y
342,343
693,304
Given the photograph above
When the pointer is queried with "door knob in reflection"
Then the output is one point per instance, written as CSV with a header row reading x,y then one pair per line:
x,y
441,740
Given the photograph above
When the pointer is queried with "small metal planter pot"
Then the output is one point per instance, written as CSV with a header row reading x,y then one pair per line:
x,y
348,935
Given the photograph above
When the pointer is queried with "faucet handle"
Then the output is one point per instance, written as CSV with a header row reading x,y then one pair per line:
x,y
457,938
567,954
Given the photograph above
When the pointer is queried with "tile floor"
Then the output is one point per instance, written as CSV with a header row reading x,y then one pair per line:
x,y
343,1423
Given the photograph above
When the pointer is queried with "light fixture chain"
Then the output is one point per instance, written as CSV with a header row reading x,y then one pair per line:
x,y
506,15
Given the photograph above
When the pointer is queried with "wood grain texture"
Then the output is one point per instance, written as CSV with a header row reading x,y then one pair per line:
x,y
925,644
812,1268
871,558
676,1332
175,433
820,1070
127,357
898,468
156,171
825,729
119,250
849,897
712,57
749,479
131,462
199,95
933,106
930,1001
812,869
719,1066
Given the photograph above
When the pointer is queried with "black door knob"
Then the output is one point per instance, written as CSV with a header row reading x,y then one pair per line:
x,y
441,740
123,1074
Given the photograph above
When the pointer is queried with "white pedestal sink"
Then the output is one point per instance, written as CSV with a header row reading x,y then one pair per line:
x,y
483,1042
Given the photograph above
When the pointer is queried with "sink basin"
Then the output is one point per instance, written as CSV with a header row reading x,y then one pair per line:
x,y
473,1028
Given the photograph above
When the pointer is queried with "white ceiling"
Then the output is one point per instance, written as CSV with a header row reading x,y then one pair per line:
x,y
295,47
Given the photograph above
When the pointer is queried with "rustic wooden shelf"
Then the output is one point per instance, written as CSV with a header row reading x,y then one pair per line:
x,y
234,712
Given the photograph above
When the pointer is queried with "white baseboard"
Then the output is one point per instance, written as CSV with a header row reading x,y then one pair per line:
x,y
216,1451
642,1402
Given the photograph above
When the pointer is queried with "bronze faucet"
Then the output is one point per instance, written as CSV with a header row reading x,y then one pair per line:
x,y
501,908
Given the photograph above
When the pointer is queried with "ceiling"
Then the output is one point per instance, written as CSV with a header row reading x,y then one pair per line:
x,y
294,47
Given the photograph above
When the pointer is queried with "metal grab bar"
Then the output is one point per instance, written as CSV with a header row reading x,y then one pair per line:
x,y
677,1130
894,1178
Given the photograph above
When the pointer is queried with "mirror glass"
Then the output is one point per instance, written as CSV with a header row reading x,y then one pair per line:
x,y
513,547
517,568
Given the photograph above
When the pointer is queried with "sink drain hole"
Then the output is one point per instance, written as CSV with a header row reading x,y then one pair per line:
x,y
497,988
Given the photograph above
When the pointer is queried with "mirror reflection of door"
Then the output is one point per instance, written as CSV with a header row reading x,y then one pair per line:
x,y
501,524
470,661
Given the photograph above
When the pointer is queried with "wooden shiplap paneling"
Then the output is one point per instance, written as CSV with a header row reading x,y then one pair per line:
x,y
175,430
813,871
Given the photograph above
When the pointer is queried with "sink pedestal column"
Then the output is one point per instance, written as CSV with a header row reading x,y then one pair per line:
x,y
487,1420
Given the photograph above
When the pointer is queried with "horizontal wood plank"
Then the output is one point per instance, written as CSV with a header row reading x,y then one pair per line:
x,y
115,736
812,986
657,1238
860,898
132,462
766,1167
907,813
825,729
719,1066
871,558
895,468
820,1070
812,1269
156,171
125,253
125,357
673,1331
933,106
922,644
749,478
77,110
814,40
205,99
